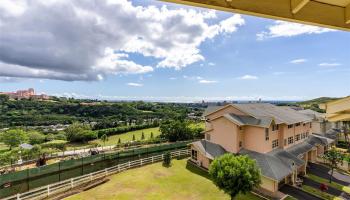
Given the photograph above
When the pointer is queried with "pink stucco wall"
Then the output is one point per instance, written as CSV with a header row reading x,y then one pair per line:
x,y
225,133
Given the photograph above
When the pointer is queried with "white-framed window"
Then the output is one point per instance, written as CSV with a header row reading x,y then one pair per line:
x,y
297,137
290,140
194,154
275,144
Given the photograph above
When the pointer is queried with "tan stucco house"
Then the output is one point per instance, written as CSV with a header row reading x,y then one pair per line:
x,y
280,139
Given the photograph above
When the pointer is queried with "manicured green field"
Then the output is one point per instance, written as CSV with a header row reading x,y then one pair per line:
x,y
3,146
155,182
126,137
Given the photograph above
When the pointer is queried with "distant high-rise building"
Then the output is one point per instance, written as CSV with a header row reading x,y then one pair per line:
x,y
25,94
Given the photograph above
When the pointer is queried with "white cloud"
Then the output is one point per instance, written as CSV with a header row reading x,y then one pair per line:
x,y
288,29
172,78
298,61
135,84
192,77
248,77
207,81
211,64
89,40
329,64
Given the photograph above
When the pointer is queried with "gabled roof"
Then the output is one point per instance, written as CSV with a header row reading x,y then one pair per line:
x,y
242,120
275,165
264,111
209,149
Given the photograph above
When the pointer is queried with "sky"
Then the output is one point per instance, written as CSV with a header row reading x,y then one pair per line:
x,y
156,51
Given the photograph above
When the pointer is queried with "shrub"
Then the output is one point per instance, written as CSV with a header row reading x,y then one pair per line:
x,y
36,137
167,159
55,144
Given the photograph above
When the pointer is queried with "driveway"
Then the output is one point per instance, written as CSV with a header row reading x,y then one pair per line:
x,y
297,193
324,172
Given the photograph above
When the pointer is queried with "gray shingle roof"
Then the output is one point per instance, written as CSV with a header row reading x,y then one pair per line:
x,y
280,114
300,148
318,139
211,109
210,149
273,166
332,133
249,120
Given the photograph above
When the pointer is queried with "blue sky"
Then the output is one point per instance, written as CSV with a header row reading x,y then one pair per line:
x,y
261,58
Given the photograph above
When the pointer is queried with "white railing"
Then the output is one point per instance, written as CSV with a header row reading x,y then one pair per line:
x,y
55,188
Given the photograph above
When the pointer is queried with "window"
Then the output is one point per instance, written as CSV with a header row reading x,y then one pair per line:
x,y
194,154
240,143
240,128
290,126
303,136
297,137
275,127
307,134
207,136
297,124
290,140
275,144
304,124
267,134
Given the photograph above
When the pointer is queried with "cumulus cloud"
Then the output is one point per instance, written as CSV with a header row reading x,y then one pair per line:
x,y
88,40
207,81
288,29
135,84
298,61
248,77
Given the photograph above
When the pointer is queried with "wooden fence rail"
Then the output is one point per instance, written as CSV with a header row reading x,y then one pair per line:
x,y
59,187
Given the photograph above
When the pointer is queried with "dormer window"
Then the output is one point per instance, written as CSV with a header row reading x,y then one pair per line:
x,y
290,126
297,124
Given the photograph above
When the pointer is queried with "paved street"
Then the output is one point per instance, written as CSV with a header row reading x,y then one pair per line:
x,y
296,193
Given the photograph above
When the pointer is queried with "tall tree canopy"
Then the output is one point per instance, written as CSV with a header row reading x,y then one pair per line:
x,y
235,174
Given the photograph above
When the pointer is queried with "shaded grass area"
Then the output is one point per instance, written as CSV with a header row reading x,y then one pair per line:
x,y
155,182
333,184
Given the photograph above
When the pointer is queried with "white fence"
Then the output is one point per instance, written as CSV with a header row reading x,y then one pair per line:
x,y
52,189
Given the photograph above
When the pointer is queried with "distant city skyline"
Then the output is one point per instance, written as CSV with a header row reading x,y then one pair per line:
x,y
156,51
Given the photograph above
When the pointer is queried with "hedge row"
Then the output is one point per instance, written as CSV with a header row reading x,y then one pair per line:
x,y
124,129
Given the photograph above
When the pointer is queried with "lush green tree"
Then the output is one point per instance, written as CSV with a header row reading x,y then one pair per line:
x,y
14,137
50,137
36,137
235,174
175,130
4,98
152,136
142,136
333,158
80,133
104,139
119,141
133,138
167,159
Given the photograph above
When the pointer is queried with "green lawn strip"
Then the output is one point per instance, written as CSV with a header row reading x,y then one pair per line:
x,y
128,136
155,182
290,198
319,193
3,146
333,184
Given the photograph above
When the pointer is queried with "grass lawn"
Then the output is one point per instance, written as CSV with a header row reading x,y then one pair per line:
x,y
155,182
317,192
125,137
333,184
